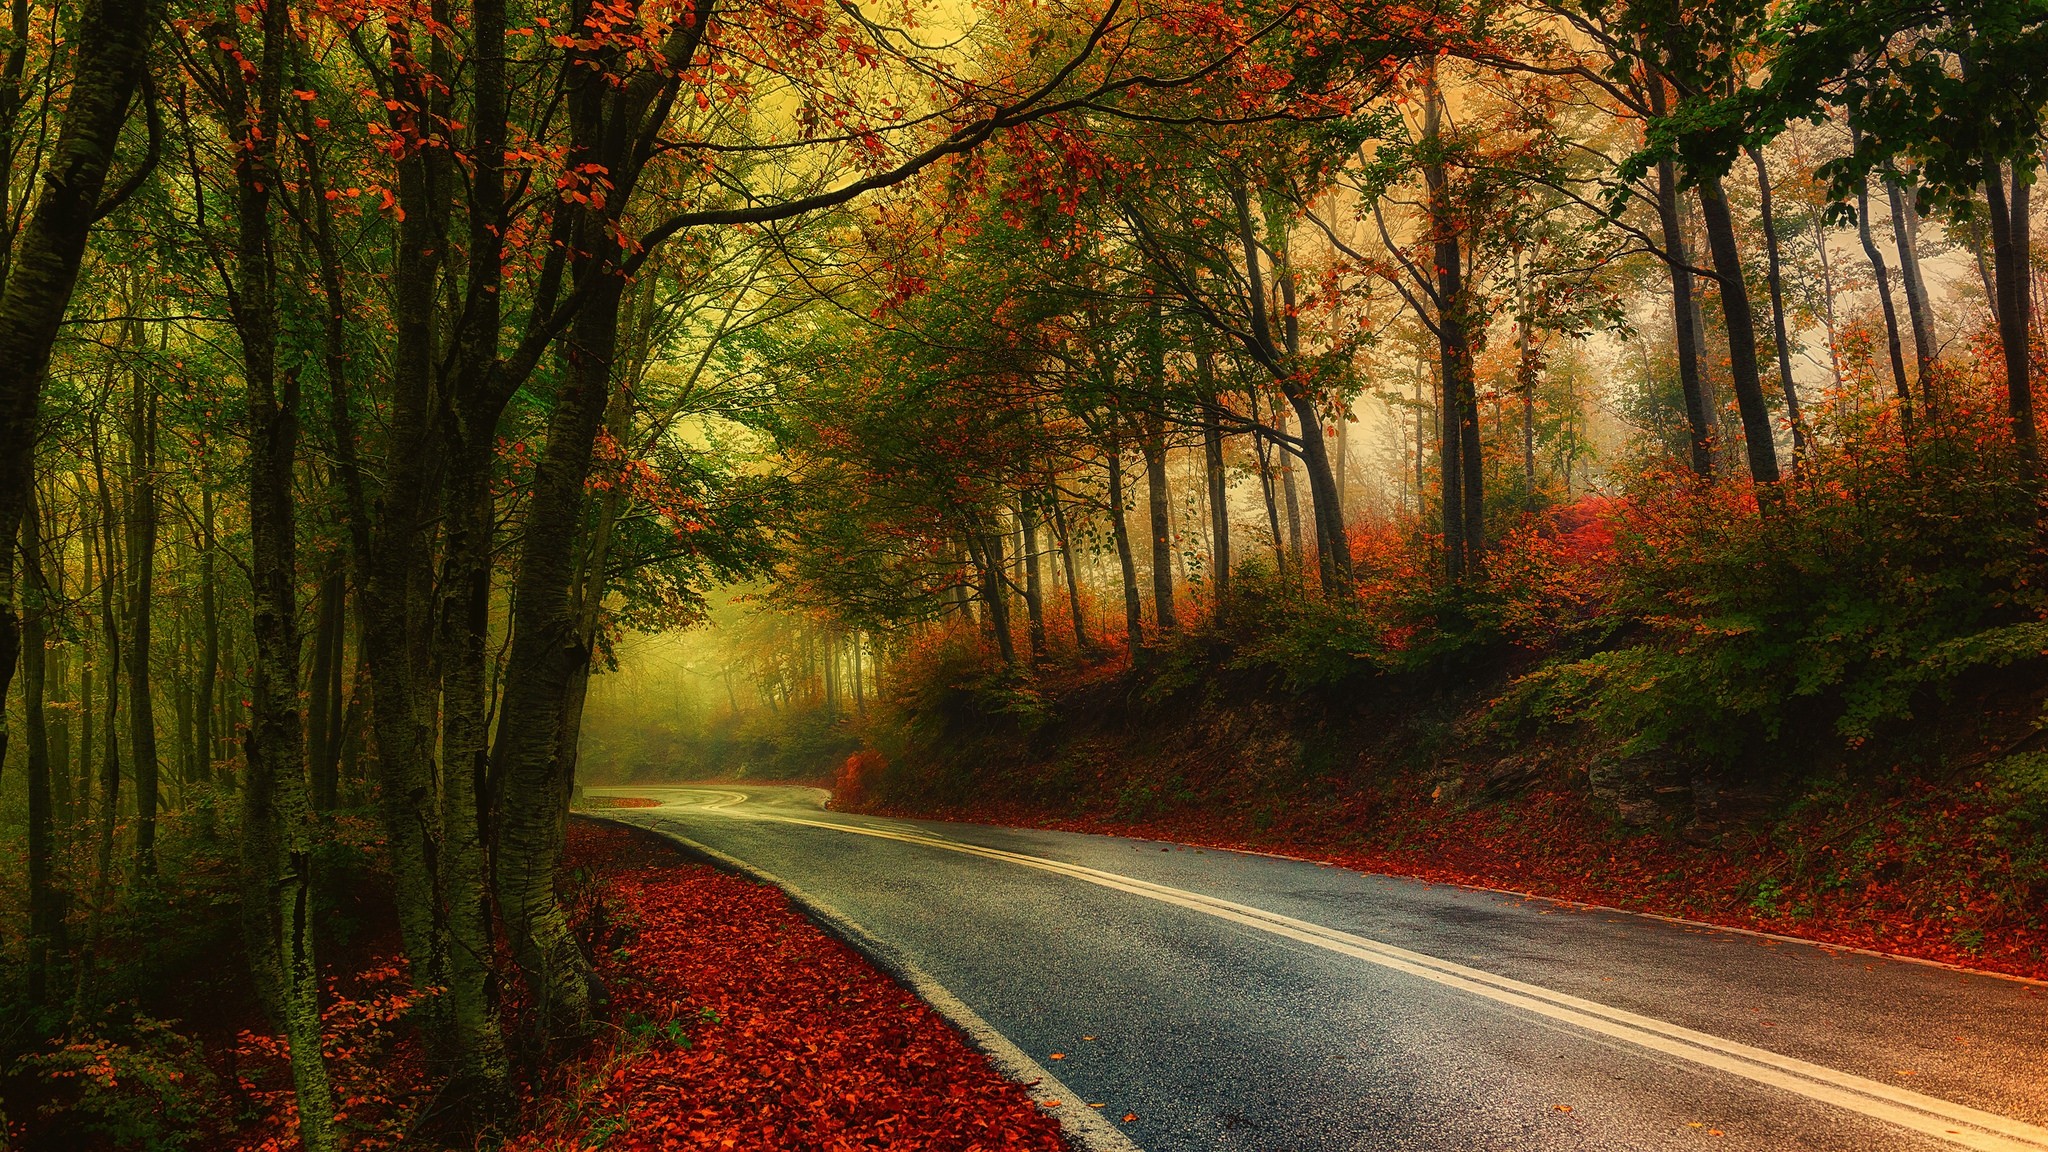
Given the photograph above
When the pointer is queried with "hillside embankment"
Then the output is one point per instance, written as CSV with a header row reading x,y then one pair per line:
x,y
1924,838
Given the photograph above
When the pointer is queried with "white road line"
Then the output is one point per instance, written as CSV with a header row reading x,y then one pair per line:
x,y
1944,1120
1087,1128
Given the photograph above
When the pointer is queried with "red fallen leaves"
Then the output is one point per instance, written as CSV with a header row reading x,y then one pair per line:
x,y
743,1026
595,803
1551,845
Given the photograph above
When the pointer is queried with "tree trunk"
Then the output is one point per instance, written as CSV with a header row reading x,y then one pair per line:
x,y
87,705
1773,275
142,533
57,678
110,55
1066,543
110,639
956,593
1906,234
1422,442
1332,546
1286,468
1463,478
1749,394
1159,519
328,766
394,550
1333,550
1883,281
1034,595
57,686
586,600
545,654
110,758
610,122
181,702
209,642
1262,447
986,549
277,841
1134,608
1213,473
1528,368
1827,293
860,693
2011,261
1684,313
473,1046
232,726
320,706
45,903
1451,491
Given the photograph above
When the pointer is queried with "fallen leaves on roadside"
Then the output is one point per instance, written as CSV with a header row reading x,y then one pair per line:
x,y
742,1026
1556,845
594,803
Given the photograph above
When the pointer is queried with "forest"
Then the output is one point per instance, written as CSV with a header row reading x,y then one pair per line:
x,y
1319,419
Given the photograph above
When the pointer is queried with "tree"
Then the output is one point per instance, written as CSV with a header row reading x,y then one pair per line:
x,y
1954,89
109,62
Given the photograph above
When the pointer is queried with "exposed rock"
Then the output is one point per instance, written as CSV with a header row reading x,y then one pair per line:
x,y
1463,783
1510,775
1643,790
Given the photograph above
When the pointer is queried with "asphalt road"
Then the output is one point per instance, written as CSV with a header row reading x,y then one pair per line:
x,y
1237,1001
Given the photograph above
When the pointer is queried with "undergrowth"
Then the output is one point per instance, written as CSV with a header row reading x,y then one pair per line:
x,y
1834,694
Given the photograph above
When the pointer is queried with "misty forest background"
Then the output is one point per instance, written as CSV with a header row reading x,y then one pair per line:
x,y
1334,419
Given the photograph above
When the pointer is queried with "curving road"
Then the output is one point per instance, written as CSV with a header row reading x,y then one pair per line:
x,y
1236,1001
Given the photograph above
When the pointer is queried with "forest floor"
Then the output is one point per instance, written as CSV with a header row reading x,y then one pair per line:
x,y
734,1023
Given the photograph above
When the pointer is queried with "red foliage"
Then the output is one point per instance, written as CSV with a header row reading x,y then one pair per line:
x,y
595,803
1556,568
743,1026
376,1067
855,776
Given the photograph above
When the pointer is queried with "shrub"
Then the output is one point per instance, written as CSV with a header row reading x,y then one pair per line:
x,y
857,776
140,1086
1884,575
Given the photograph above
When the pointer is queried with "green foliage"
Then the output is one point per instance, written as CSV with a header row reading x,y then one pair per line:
x,y
1309,643
2019,807
1880,584
141,1085
1947,88
1423,633
2015,822
647,1031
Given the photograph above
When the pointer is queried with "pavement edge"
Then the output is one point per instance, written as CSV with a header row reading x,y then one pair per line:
x,y
1085,1128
